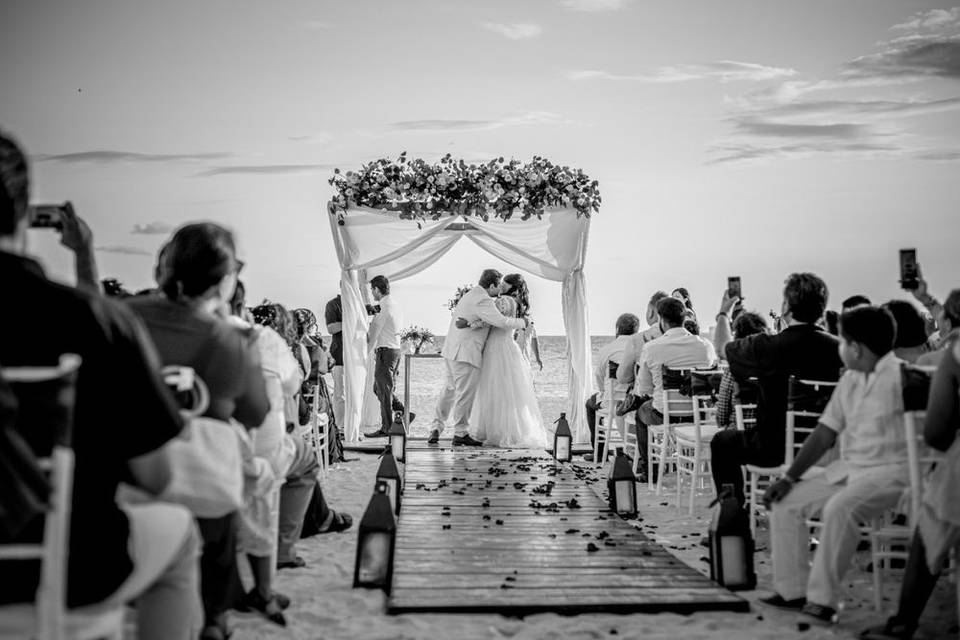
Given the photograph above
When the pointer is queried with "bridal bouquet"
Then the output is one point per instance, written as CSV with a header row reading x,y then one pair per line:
x,y
498,188
455,300
417,336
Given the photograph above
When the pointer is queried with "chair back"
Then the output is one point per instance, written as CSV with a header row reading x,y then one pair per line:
x,y
188,388
806,400
920,456
746,416
55,413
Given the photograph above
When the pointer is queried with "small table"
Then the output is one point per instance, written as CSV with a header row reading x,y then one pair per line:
x,y
407,357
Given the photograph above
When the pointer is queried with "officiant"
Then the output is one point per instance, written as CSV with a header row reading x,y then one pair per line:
x,y
384,338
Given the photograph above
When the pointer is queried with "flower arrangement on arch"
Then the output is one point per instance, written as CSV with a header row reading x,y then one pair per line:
x,y
497,189
417,336
455,300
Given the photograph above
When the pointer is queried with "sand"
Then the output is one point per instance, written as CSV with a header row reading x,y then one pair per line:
x,y
326,606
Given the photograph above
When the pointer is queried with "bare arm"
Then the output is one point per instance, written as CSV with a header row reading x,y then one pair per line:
x,y
77,237
816,444
724,332
535,346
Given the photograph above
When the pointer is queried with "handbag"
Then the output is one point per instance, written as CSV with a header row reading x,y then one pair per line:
x,y
206,460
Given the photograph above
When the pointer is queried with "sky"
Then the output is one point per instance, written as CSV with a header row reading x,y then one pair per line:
x,y
752,139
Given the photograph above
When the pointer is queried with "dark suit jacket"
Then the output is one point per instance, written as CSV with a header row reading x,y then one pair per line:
x,y
803,350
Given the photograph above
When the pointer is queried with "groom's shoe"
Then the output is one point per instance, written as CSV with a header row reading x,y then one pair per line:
x,y
466,441
434,437
379,433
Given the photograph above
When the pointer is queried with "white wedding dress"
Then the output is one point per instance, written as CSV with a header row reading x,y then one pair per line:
x,y
505,410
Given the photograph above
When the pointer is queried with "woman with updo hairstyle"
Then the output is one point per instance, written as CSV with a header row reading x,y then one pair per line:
x,y
681,294
515,286
197,273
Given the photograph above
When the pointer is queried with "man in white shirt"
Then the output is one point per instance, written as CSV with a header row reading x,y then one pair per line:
x,y
625,373
384,339
865,414
610,355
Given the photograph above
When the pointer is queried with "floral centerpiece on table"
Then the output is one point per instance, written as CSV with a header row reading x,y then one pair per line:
x,y
417,336
497,189
455,300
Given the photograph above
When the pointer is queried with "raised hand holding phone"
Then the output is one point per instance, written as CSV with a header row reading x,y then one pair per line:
x,y
909,269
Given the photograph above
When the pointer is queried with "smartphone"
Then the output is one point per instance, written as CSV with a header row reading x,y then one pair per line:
x,y
46,216
733,287
909,270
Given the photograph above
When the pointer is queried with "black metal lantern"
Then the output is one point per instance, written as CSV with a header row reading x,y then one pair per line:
x,y
731,545
389,474
376,537
622,486
398,441
562,440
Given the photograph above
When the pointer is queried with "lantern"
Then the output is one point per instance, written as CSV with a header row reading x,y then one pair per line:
x,y
622,486
398,441
389,474
731,545
562,440
375,542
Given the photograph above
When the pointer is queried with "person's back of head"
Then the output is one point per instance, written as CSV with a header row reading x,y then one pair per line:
x,y
672,312
627,324
690,322
14,188
805,297
749,323
854,301
911,329
867,334
305,320
490,278
198,258
951,310
652,315
831,320
276,316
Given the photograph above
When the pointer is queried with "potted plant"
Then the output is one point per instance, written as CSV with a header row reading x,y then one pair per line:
x,y
417,336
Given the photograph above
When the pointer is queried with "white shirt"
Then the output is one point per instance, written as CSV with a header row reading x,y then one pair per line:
x,y
866,410
385,326
677,349
612,351
632,352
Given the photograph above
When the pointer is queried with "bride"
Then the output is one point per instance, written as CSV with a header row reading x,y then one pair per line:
x,y
506,412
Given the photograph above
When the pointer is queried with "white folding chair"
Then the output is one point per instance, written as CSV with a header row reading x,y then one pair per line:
x,y
692,449
47,618
610,428
661,446
758,478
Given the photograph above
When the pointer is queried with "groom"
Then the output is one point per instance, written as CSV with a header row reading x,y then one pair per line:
x,y
462,354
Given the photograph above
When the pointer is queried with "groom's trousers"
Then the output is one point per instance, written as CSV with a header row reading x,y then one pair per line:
x,y
459,390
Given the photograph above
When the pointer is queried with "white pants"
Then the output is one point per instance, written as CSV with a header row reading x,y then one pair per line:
x,y
164,545
842,507
338,395
459,390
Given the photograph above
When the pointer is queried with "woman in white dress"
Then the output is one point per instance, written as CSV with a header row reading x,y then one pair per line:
x,y
506,412
515,286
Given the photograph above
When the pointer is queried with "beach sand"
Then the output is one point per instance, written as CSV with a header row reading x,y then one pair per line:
x,y
326,606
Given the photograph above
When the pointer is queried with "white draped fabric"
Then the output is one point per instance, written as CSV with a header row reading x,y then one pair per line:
x,y
371,242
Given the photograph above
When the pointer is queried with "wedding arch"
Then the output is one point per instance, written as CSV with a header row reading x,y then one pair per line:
x,y
396,218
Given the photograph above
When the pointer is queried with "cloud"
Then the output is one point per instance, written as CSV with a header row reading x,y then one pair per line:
x,y
525,119
722,70
129,251
933,19
941,155
264,169
861,108
768,128
152,228
515,30
909,58
743,152
594,6
317,138
113,157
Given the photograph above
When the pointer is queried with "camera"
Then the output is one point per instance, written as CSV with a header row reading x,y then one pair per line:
x,y
373,309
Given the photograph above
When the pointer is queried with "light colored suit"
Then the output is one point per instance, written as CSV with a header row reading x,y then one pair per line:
x,y
462,355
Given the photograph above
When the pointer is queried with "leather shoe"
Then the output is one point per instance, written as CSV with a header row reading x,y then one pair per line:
x,y
466,441
379,433
434,437
776,600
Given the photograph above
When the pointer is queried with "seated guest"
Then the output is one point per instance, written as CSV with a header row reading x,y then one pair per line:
x,y
802,349
628,362
948,324
611,353
865,414
677,348
934,537
188,324
123,417
911,341
681,294
747,324
853,301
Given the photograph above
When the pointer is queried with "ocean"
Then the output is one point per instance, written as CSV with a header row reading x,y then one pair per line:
x,y
426,379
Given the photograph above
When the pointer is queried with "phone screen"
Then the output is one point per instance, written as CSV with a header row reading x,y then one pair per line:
x,y
909,273
46,216
733,287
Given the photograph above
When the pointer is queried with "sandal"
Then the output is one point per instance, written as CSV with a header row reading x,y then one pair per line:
x,y
338,522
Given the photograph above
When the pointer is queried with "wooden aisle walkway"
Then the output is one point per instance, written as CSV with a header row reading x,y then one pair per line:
x,y
503,531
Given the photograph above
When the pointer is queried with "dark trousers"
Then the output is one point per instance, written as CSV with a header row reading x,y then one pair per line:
x,y
220,585
295,497
730,449
646,415
593,403
387,361
918,584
